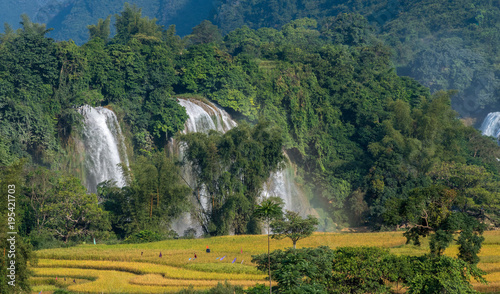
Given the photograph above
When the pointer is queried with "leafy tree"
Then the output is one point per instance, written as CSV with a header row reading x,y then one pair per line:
x,y
130,24
205,33
32,28
365,270
231,169
155,197
71,212
167,116
442,274
429,210
305,270
293,226
346,28
268,210
101,30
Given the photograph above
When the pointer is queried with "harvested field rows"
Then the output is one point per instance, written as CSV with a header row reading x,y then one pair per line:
x,y
138,268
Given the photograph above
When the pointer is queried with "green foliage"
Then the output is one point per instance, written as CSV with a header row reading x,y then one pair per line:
x,y
299,270
101,30
71,212
11,181
231,169
362,138
365,270
205,33
348,29
167,116
144,236
293,226
430,211
269,209
221,288
444,45
130,24
362,270
442,274
155,196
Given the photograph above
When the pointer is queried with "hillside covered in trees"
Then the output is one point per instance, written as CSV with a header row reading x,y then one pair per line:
x,y
364,140
316,88
445,45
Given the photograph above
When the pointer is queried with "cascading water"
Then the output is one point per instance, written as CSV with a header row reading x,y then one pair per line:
x,y
491,125
204,117
208,116
280,184
104,147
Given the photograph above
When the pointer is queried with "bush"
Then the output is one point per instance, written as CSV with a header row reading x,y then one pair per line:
x,y
143,237
226,288
61,291
44,240
442,274
364,270
259,289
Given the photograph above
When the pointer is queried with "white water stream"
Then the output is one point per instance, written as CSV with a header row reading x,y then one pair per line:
x,y
104,147
491,125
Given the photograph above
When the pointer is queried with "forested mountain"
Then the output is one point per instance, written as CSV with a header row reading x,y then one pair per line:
x,y
69,18
442,44
445,45
363,139
319,86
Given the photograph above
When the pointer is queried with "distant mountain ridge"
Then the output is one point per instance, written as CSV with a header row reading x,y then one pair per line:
x,y
70,18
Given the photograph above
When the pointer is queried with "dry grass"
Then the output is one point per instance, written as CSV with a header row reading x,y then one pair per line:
x,y
147,268
493,285
158,280
106,281
122,268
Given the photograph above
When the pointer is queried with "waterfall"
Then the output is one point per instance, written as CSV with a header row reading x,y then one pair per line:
x,y
280,184
491,125
104,147
205,116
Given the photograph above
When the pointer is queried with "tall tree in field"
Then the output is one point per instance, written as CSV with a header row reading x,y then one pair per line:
x,y
267,211
431,211
293,226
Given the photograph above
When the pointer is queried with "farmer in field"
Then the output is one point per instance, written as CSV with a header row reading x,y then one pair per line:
x,y
195,256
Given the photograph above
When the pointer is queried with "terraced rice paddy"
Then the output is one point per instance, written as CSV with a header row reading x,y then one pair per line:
x,y
138,268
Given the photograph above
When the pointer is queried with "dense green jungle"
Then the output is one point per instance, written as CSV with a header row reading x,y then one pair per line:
x,y
445,45
362,137
371,146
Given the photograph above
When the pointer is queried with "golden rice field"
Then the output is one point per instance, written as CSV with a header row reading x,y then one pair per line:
x,y
123,269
